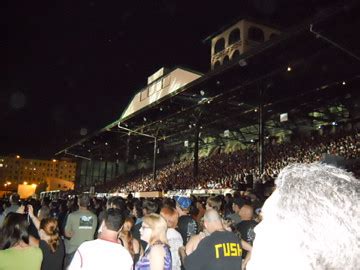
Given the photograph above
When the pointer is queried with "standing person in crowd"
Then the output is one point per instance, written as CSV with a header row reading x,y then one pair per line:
x,y
202,208
311,221
105,252
238,203
187,226
50,242
114,202
247,225
214,202
44,211
195,239
129,242
137,212
148,207
15,251
173,236
14,201
220,250
228,205
157,255
80,227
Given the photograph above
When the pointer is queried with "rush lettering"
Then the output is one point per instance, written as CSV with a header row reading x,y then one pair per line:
x,y
227,250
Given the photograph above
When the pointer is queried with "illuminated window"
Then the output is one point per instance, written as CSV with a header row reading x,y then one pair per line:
x,y
234,36
220,45
255,34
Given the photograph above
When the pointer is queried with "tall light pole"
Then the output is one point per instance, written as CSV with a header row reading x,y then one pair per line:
x,y
145,135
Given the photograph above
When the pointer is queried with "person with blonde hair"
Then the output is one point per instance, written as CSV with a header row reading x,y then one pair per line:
x,y
157,254
173,236
215,203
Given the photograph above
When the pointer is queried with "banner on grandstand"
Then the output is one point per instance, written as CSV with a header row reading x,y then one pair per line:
x,y
198,192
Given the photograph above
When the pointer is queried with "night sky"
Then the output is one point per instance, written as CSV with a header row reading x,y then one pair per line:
x,y
73,66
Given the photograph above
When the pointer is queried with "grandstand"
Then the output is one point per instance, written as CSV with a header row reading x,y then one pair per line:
x,y
303,83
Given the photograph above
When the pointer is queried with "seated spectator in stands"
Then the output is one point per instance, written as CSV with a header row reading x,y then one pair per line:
x,y
129,242
14,201
15,251
173,236
157,255
50,242
105,252
220,250
187,226
311,221
80,227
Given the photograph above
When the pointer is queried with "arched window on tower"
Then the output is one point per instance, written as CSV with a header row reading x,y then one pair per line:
x,y
226,60
234,36
217,64
220,45
256,34
235,55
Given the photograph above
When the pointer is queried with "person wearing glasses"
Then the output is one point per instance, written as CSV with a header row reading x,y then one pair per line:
x,y
157,254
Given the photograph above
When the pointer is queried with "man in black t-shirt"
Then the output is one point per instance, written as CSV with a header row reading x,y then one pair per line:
x,y
247,225
220,250
187,226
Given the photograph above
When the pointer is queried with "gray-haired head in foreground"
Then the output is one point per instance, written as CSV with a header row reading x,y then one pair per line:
x,y
313,221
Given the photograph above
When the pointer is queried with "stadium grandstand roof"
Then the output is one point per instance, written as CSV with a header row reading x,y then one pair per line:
x,y
314,76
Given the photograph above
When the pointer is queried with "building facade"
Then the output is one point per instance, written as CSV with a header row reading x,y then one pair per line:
x,y
238,39
15,170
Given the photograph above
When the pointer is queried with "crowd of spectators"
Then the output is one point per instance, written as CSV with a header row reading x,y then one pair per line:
x,y
71,233
240,168
214,232
196,232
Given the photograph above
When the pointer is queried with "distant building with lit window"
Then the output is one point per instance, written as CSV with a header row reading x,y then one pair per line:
x,y
15,170
230,43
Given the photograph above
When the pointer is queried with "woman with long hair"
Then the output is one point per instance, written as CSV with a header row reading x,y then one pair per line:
x,y
157,254
173,236
15,250
128,241
50,242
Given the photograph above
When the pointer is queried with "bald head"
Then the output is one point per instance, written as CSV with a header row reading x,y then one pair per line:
x,y
246,212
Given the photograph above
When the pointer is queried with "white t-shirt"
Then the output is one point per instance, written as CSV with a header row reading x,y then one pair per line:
x,y
175,241
101,254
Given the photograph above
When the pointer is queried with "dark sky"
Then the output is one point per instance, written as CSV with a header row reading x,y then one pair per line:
x,y
72,65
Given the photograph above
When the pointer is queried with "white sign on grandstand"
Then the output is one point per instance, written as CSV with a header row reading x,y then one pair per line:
x,y
284,117
164,85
